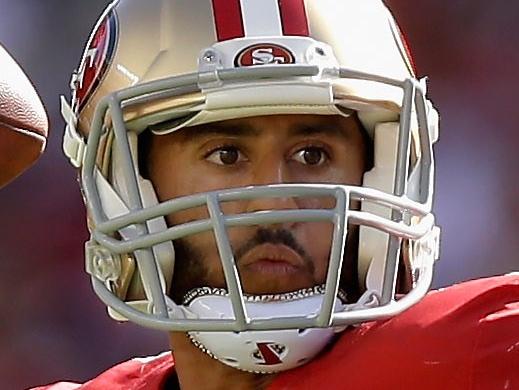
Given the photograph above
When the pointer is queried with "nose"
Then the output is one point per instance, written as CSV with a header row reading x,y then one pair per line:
x,y
271,170
269,203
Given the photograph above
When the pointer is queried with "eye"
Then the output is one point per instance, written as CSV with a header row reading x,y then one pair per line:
x,y
226,155
311,155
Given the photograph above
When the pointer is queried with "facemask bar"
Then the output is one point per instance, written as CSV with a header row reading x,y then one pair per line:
x,y
137,216
411,93
218,223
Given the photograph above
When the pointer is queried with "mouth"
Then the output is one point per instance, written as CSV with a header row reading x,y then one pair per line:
x,y
272,259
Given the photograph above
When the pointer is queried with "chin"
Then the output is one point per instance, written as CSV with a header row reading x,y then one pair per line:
x,y
278,284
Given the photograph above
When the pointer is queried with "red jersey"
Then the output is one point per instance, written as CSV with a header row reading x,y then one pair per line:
x,y
465,337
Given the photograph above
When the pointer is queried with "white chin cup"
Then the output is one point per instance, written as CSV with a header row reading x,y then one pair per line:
x,y
262,351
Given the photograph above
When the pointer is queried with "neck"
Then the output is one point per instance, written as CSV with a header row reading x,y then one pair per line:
x,y
197,370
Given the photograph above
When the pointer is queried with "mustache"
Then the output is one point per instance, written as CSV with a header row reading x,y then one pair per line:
x,y
276,237
191,270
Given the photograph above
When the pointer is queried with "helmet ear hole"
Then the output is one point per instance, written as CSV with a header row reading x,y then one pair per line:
x,y
231,361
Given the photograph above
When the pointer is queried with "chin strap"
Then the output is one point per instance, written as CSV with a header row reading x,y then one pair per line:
x,y
261,352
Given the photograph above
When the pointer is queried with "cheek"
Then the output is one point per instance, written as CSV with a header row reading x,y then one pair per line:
x,y
193,179
346,167
175,171
316,239
203,246
173,183
350,167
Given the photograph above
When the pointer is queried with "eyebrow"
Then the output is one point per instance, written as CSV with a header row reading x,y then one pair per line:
x,y
327,129
222,130
245,130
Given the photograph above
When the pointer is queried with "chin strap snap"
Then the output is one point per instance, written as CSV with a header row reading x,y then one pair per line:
x,y
101,263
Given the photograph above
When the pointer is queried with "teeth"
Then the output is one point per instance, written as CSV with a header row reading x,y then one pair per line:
x,y
290,296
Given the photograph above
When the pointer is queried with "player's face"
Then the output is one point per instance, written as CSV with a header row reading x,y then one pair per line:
x,y
256,151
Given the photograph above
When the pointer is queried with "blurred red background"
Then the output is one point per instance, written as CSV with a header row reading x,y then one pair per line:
x,y
52,326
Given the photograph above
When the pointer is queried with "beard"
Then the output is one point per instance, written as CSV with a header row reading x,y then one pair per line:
x,y
191,270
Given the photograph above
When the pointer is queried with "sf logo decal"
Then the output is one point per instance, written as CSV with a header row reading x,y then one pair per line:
x,y
264,54
269,354
96,60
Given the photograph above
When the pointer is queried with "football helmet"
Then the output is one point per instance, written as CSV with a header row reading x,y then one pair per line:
x,y
164,65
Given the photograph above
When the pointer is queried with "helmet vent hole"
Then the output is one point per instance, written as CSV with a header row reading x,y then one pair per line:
x,y
231,361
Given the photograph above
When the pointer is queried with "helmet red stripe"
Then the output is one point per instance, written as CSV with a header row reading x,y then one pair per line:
x,y
293,17
228,19
404,46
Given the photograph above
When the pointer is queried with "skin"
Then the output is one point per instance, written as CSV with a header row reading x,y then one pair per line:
x,y
278,149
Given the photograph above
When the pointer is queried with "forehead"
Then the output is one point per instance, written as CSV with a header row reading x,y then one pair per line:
x,y
290,120
277,125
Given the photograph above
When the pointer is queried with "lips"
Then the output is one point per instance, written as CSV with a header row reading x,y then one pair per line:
x,y
272,259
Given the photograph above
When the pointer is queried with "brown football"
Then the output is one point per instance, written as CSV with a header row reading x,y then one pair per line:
x,y
23,121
